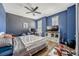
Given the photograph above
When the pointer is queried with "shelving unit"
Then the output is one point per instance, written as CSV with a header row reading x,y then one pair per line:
x,y
53,36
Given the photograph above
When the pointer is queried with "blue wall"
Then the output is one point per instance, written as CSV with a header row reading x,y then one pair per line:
x,y
71,27
49,21
63,25
36,25
66,23
2,19
44,26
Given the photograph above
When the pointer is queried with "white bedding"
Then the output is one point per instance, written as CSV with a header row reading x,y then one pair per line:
x,y
28,42
32,41
5,41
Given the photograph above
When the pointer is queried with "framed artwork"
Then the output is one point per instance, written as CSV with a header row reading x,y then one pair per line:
x,y
25,25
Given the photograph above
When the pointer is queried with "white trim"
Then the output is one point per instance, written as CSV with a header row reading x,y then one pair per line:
x,y
76,30
39,30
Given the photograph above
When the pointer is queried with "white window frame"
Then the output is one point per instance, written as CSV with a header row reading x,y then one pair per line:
x,y
39,30
55,20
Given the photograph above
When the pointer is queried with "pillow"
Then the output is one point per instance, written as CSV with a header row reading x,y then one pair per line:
x,y
7,36
23,34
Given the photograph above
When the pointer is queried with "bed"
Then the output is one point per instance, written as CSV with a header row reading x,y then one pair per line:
x,y
28,45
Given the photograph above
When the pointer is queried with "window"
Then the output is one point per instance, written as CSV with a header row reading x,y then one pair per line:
x,y
54,20
32,24
39,26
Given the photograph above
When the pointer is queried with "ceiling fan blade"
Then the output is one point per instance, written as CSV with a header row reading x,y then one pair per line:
x,y
28,8
35,9
38,12
28,12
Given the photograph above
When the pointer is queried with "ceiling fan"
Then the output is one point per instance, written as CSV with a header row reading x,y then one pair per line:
x,y
32,10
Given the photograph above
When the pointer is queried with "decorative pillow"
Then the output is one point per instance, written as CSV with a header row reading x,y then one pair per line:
x,y
7,36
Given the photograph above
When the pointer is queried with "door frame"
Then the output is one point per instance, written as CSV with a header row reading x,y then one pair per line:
x,y
76,30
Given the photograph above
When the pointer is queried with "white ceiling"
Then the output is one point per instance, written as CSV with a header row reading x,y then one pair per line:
x,y
45,8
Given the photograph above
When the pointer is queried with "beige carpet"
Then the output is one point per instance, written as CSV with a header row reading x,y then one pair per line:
x,y
45,51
